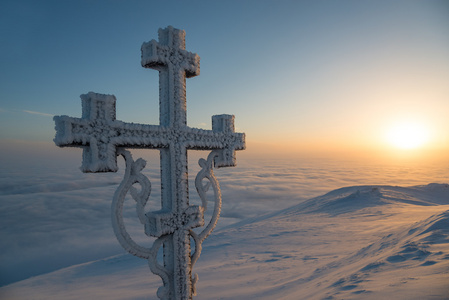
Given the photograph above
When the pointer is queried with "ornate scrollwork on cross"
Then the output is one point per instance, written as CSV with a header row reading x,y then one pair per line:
x,y
204,182
133,175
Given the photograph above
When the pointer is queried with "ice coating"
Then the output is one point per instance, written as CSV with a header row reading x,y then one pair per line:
x,y
94,132
99,134
170,51
102,138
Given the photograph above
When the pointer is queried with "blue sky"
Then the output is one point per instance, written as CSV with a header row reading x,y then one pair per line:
x,y
313,75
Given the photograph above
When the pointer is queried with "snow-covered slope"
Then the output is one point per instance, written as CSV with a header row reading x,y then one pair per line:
x,y
369,242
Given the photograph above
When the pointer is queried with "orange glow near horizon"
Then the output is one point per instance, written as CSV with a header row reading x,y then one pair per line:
x,y
394,139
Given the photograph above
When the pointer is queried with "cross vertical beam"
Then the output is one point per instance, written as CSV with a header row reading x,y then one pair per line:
x,y
174,64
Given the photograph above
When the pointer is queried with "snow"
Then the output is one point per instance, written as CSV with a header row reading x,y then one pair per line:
x,y
359,242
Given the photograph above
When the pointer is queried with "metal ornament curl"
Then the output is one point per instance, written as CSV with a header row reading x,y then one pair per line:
x,y
133,176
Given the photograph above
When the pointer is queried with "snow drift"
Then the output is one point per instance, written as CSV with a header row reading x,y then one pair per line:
x,y
367,242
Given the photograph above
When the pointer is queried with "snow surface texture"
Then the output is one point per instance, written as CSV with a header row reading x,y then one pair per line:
x,y
361,242
101,137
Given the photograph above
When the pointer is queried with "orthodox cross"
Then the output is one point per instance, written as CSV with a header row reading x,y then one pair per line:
x,y
103,138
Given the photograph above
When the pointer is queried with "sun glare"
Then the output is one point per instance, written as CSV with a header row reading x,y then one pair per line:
x,y
407,135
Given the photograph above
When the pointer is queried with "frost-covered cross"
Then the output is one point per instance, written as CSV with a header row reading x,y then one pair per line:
x,y
103,138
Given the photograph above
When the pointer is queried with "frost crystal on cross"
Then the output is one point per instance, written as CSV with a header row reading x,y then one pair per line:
x,y
103,138
97,128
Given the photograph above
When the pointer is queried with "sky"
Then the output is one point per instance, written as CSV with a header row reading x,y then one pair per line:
x,y
301,77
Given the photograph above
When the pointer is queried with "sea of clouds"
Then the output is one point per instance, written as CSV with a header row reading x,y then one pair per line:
x,y
53,216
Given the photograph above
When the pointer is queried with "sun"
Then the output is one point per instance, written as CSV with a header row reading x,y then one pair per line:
x,y
408,135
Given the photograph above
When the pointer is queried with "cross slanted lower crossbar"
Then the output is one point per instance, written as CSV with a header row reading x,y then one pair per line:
x,y
100,134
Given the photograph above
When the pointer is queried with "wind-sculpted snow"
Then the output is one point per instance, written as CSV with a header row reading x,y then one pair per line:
x,y
438,229
351,199
361,242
